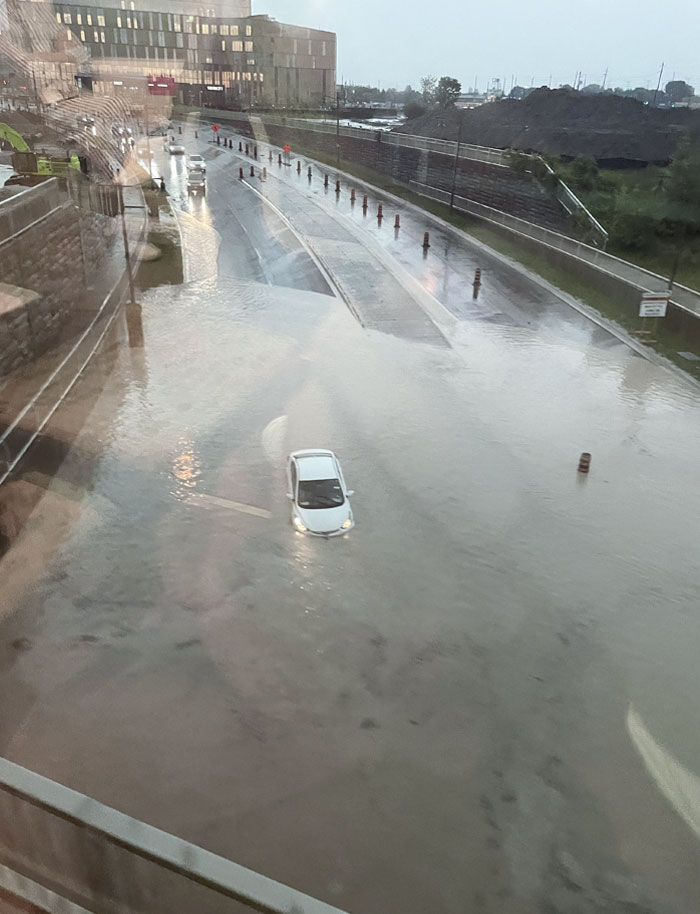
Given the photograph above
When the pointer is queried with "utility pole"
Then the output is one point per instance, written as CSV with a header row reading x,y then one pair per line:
x,y
456,165
605,78
658,85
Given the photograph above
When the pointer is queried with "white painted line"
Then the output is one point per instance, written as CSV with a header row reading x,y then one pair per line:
x,y
207,501
680,786
273,438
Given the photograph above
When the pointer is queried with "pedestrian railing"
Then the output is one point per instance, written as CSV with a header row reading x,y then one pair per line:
x,y
62,851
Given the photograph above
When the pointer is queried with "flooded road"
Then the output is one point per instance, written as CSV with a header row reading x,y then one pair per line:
x,y
483,698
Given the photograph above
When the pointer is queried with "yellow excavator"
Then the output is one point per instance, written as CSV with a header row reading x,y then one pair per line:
x,y
31,167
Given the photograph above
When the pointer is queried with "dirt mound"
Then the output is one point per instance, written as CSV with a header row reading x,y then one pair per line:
x,y
612,129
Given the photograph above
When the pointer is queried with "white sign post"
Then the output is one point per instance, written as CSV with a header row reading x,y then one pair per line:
x,y
653,304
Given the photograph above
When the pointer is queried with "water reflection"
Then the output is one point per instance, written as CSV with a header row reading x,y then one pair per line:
x,y
186,468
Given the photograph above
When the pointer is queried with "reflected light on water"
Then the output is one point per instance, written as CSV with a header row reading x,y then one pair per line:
x,y
185,468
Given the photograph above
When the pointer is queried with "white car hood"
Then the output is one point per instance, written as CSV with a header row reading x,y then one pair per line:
x,y
324,520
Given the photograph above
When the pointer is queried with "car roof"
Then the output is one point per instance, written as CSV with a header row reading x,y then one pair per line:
x,y
316,465
196,155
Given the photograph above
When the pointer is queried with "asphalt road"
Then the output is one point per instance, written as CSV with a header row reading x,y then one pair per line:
x,y
481,700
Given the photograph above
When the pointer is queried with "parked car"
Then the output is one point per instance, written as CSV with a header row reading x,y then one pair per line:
x,y
175,149
196,163
317,491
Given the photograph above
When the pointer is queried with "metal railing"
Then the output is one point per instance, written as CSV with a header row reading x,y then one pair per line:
x,y
22,209
59,846
688,299
486,154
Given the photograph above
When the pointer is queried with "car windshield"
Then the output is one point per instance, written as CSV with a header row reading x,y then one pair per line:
x,y
320,493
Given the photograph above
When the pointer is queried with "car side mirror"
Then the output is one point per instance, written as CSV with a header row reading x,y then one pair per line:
x,y
350,492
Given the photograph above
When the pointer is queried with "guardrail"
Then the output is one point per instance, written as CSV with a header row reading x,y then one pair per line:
x,y
688,299
59,849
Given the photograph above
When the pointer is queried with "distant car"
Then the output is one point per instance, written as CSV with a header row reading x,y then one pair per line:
x,y
196,183
175,150
318,493
196,163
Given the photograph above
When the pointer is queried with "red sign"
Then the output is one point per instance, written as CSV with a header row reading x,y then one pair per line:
x,y
162,85
215,127
287,149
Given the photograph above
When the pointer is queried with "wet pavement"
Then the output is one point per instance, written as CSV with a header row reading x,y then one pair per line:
x,y
483,699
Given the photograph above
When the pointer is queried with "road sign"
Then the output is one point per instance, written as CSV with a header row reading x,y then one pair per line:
x,y
215,127
653,304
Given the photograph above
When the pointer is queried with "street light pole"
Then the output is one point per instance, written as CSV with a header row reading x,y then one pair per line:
x,y
127,256
456,164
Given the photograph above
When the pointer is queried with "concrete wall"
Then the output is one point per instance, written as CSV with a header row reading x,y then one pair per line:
x,y
43,257
50,250
490,184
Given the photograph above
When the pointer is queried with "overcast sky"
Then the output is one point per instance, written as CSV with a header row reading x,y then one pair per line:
x,y
383,41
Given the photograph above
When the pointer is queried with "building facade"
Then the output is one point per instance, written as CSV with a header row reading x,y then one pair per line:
x,y
217,54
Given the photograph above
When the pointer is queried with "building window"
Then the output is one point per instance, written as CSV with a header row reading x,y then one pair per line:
x,y
95,36
122,33
214,28
310,51
205,28
223,45
69,35
249,30
323,48
82,34
177,24
101,21
224,30
262,77
89,18
131,5
102,37
179,41
136,24
58,17
119,21
234,29
251,63
208,60
67,18
79,19
236,45
249,45
161,39
128,22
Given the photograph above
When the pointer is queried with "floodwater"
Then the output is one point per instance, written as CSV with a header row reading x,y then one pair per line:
x,y
483,699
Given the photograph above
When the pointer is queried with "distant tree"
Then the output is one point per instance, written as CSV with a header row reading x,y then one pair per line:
x,y
428,84
410,95
414,109
518,92
592,89
677,90
447,91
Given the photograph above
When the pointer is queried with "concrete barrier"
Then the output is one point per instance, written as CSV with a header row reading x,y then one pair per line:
x,y
60,849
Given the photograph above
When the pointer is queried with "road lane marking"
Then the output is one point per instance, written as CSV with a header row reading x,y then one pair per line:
x,y
273,438
680,786
206,501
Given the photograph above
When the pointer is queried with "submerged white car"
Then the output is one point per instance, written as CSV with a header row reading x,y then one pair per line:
x,y
318,493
